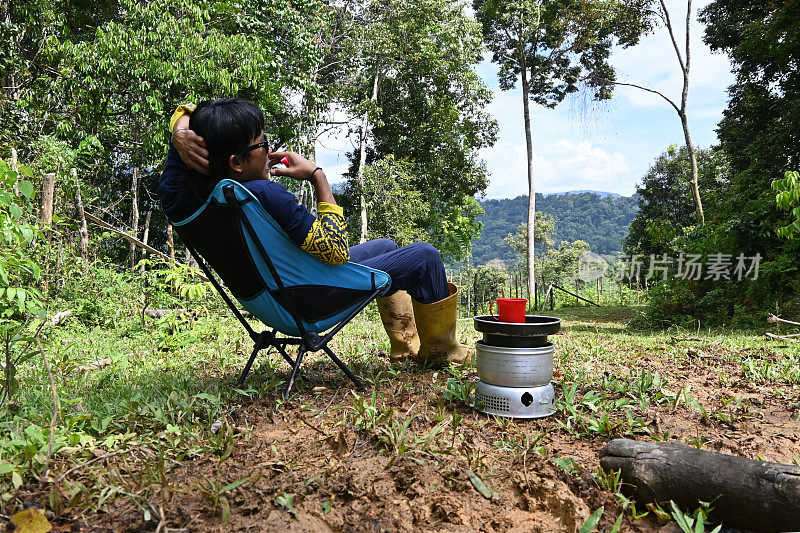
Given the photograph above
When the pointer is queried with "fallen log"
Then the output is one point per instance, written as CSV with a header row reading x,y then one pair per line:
x,y
59,317
159,313
748,494
781,337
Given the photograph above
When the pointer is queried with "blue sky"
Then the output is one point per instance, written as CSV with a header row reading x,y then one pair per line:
x,y
584,144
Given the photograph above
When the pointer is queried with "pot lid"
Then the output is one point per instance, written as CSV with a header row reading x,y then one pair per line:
x,y
534,326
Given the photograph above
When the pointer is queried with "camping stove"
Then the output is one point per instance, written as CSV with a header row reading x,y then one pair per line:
x,y
515,366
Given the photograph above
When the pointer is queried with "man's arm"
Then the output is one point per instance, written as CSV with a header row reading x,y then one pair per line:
x,y
191,146
302,169
327,238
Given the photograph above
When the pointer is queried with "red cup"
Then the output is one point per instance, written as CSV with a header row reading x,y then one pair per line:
x,y
509,309
285,161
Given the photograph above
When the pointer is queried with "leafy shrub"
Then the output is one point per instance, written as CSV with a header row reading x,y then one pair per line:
x,y
20,300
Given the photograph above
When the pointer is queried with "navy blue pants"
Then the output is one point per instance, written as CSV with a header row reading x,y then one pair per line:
x,y
416,268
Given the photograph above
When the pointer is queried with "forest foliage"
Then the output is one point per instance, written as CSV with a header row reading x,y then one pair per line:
x,y
600,221
745,214
91,87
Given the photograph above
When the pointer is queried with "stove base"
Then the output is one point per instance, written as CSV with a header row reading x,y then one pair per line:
x,y
515,402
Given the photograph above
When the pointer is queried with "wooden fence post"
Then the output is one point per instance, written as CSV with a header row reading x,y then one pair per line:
x,y
170,243
48,190
475,295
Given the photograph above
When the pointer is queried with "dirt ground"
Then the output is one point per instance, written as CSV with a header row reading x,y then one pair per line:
x,y
306,465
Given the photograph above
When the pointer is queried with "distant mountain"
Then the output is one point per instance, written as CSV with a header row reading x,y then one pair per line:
x,y
602,221
601,194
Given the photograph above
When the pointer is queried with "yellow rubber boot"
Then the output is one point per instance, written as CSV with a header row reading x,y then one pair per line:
x,y
397,315
436,324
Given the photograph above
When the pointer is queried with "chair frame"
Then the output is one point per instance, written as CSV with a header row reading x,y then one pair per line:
x,y
308,341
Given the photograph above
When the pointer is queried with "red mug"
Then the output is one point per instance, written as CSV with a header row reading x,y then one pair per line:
x,y
509,309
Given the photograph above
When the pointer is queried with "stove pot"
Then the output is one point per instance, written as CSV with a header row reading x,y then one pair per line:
x,y
515,367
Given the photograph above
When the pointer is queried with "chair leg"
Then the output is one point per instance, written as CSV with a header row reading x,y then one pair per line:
x,y
246,370
343,368
300,353
286,356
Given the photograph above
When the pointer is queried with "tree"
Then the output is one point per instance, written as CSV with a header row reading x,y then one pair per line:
x,y
666,208
416,85
545,226
550,47
107,75
759,132
560,264
788,199
396,207
656,13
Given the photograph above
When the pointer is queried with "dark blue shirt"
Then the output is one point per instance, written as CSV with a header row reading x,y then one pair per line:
x,y
179,204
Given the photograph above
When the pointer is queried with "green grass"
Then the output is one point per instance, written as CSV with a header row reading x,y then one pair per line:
x,y
167,381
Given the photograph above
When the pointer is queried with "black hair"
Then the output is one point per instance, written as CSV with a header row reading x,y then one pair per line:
x,y
228,126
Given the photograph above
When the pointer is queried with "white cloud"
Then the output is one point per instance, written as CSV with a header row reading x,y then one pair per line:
x,y
565,166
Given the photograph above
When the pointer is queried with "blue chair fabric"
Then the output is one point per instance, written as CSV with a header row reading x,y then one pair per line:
x,y
273,278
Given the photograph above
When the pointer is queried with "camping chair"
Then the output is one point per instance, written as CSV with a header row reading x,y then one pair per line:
x,y
273,278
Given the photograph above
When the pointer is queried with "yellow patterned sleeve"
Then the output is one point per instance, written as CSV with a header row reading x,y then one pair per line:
x,y
183,109
327,239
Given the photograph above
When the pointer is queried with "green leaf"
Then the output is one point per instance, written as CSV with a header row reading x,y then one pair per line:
x,y
233,485
26,188
617,525
5,468
286,502
479,485
25,170
591,522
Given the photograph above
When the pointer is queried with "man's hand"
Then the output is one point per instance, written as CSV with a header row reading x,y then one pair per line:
x,y
302,169
192,148
298,168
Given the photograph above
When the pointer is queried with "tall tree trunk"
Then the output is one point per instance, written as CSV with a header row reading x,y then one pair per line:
x,y
698,204
685,68
362,160
134,216
83,230
146,235
15,168
531,188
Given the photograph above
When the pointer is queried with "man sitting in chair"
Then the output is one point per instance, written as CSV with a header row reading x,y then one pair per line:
x,y
225,138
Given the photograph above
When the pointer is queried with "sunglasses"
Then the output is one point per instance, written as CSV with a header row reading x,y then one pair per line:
x,y
263,144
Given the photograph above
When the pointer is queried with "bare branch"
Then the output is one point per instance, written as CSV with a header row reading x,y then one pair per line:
x,y
87,463
773,319
662,95
672,37
780,337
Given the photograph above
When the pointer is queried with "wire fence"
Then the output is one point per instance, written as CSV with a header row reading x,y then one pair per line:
x,y
478,287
